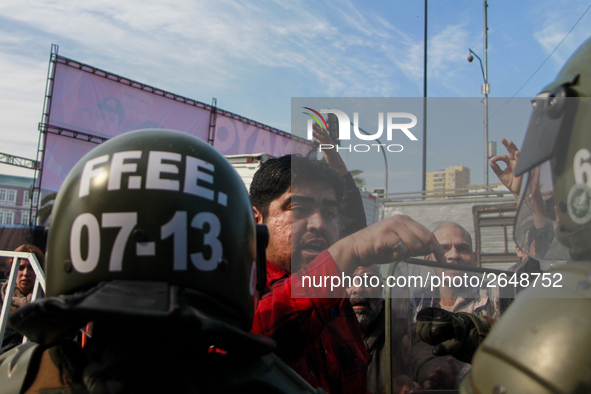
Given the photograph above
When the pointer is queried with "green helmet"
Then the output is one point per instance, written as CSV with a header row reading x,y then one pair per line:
x,y
556,154
156,206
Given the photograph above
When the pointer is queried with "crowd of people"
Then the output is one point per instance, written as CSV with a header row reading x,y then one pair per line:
x,y
309,206
191,305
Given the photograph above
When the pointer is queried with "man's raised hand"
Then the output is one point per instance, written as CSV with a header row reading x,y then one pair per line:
x,y
507,176
331,155
391,239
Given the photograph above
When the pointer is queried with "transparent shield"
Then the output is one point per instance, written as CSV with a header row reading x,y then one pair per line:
x,y
410,287
399,331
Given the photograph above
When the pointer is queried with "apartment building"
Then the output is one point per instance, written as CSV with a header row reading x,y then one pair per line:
x,y
450,178
15,200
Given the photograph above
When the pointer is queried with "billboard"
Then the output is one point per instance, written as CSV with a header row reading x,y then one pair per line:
x,y
89,106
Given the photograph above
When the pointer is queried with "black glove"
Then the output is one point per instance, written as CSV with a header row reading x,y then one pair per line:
x,y
455,334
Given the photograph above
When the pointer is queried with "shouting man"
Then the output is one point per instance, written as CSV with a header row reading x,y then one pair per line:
x,y
317,332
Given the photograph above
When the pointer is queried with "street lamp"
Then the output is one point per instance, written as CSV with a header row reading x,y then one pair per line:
x,y
485,91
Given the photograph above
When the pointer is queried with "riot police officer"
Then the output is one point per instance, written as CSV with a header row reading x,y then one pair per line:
x,y
540,345
153,240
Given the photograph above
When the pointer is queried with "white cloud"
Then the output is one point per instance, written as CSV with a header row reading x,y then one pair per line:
x,y
208,37
556,22
447,58
21,104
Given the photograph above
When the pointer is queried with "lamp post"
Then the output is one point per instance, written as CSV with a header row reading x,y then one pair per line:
x,y
485,92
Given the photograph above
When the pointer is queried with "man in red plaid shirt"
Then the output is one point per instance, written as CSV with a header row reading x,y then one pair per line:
x,y
315,328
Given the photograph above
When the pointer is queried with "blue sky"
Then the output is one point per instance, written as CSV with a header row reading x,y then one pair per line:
x,y
255,56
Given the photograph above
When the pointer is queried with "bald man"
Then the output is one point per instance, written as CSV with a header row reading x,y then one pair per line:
x,y
433,372
457,244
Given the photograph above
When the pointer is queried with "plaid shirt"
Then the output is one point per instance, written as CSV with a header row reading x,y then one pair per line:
x,y
318,337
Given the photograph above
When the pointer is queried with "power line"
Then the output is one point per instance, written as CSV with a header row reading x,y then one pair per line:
x,y
544,62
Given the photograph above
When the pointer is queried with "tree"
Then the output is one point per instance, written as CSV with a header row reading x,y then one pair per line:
x,y
360,182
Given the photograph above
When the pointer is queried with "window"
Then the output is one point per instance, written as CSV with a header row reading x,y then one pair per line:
x,y
25,218
1,217
27,200
2,195
12,197
9,219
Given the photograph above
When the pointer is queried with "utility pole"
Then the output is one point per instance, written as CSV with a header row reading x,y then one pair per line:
x,y
424,186
485,91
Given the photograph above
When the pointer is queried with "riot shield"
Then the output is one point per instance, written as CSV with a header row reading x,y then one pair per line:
x,y
414,284
398,332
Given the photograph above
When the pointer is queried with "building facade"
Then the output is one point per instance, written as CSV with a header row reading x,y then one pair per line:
x,y
450,178
15,200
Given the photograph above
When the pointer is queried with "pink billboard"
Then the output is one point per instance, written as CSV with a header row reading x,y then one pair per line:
x,y
101,104
61,154
233,137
